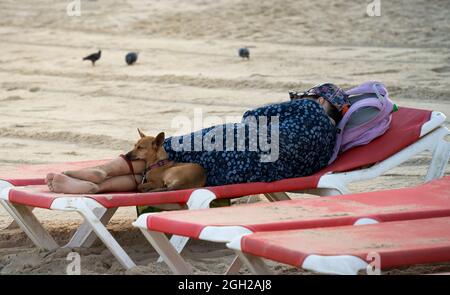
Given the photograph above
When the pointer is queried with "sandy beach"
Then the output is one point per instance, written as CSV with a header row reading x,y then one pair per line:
x,y
54,107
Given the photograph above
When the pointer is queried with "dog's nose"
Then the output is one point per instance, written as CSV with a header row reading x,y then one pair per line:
x,y
129,156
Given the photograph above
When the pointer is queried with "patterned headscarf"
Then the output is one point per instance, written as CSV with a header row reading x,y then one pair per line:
x,y
332,93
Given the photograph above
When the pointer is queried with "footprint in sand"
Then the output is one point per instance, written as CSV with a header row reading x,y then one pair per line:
x,y
12,98
11,86
19,126
442,70
345,49
72,153
34,89
377,72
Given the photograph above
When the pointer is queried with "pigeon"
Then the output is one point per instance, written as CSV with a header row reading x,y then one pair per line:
x,y
93,57
131,58
244,53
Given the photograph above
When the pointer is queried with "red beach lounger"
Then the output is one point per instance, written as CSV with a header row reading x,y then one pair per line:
x,y
349,249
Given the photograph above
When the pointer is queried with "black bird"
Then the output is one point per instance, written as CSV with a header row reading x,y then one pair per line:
x,y
131,58
93,57
244,53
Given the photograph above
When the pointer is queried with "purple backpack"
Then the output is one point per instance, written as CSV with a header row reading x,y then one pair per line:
x,y
368,117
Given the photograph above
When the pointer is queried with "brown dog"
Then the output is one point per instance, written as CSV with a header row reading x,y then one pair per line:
x,y
160,173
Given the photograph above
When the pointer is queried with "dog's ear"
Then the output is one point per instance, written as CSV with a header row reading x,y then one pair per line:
x,y
159,140
141,133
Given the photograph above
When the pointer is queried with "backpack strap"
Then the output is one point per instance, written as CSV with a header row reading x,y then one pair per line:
x,y
369,87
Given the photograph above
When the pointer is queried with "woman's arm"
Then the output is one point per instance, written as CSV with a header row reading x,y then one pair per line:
x,y
282,109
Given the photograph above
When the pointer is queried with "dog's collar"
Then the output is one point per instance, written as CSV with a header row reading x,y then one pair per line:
x,y
160,163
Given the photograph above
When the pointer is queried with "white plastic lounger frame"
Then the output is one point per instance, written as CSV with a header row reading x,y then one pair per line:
x,y
96,217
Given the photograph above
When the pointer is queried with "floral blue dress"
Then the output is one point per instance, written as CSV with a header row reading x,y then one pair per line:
x,y
303,146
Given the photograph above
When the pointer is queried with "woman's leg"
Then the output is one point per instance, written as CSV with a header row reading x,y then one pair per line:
x,y
64,184
123,183
98,174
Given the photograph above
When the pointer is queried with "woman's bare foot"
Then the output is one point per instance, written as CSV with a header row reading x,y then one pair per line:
x,y
64,184
49,177
95,175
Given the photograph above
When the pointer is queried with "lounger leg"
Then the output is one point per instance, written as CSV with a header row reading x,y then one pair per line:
x,y
441,154
255,264
235,266
30,225
178,242
13,224
168,252
84,236
273,197
104,235
199,199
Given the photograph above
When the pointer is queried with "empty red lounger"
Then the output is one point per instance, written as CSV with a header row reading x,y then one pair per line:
x,y
349,249
411,132
225,224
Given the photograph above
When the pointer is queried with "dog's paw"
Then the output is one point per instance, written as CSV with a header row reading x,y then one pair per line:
x,y
142,188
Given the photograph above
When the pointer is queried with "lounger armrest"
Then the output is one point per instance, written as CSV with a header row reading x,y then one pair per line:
x,y
436,119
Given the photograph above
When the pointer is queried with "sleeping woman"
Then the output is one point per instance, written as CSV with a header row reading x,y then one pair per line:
x,y
302,137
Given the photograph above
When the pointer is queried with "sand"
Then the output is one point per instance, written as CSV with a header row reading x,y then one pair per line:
x,y
55,107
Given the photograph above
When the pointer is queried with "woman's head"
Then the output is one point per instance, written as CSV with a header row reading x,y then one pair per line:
x,y
331,110
333,99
